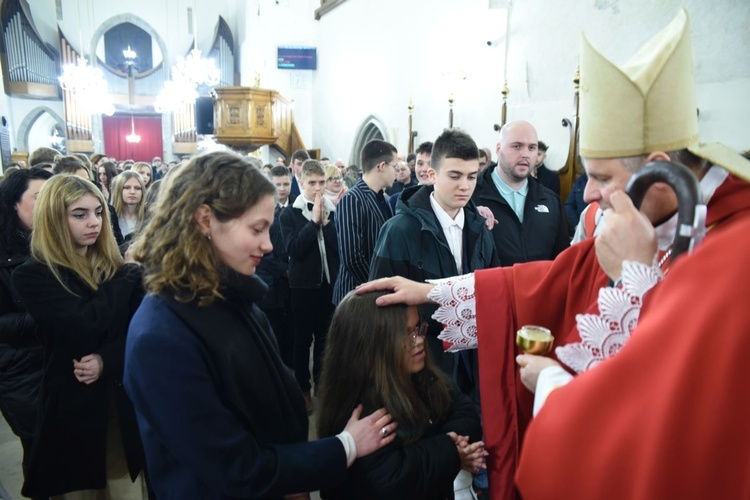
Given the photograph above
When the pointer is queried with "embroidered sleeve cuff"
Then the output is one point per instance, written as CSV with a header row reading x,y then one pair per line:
x,y
457,311
604,334
550,379
350,447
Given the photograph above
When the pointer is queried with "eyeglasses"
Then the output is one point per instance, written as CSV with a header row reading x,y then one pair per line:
x,y
419,331
335,179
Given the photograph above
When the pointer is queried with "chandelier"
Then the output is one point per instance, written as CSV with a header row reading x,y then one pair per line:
x,y
132,137
196,70
189,73
88,86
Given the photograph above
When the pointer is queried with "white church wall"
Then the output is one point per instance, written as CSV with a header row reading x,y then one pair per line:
x,y
269,24
378,56
374,57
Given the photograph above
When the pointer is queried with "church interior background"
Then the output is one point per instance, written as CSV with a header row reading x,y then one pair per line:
x,y
392,69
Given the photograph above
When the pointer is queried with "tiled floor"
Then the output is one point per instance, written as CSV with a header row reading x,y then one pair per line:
x,y
11,477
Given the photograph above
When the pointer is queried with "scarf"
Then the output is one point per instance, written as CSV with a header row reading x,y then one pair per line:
x,y
244,361
306,207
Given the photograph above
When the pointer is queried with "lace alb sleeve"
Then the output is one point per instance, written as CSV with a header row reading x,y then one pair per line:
x,y
457,311
604,334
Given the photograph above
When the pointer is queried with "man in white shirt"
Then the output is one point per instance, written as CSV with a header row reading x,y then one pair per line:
x,y
437,232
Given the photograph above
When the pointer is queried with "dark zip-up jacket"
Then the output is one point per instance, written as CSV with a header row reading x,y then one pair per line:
x,y
412,244
543,233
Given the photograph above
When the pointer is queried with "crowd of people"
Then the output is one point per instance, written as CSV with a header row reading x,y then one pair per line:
x,y
166,331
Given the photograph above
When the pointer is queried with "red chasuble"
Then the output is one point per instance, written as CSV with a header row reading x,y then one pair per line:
x,y
546,293
551,294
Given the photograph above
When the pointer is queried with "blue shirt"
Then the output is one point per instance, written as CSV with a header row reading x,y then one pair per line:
x,y
516,198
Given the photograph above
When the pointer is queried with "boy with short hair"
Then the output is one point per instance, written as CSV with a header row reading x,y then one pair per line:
x,y
310,238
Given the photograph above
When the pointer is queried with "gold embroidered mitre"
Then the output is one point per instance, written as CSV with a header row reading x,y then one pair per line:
x,y
648,104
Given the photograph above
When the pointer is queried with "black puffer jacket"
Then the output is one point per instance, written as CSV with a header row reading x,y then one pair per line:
x,y
20,356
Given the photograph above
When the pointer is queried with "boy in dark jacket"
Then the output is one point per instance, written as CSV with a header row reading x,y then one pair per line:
x,y
310,238
437,233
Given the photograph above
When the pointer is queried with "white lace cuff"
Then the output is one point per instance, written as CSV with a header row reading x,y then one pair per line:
x,y
604,334
457,311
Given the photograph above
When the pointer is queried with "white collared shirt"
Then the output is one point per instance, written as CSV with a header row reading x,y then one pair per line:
x,y
453,229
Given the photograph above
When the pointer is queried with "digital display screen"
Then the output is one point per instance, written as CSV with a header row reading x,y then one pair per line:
x,y
297,58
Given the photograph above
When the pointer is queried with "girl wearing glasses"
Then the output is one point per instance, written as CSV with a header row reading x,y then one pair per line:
x,y
376,356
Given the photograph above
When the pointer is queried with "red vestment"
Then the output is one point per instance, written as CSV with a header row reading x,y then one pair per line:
x,y
550,294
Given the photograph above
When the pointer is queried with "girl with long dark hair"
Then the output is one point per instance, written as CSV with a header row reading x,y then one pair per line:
x,y
377,356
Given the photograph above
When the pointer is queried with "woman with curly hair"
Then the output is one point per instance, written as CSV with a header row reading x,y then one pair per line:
x,y
221,415
377,356
82,297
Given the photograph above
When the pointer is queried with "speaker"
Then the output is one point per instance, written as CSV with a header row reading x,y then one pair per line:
x,y
204,115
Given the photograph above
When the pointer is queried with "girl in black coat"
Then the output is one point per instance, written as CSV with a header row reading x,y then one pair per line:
x,y
82,297
20,349
377,355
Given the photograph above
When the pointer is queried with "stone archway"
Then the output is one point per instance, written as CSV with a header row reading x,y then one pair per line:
x,y
30,119
133,19
372,128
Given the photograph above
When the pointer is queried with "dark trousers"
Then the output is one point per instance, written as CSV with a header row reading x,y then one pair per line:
x,y
312,311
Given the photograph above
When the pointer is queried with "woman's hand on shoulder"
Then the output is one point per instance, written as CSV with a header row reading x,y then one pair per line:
x,y
371,432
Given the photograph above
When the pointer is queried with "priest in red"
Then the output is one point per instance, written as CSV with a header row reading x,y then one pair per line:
x,y
642,112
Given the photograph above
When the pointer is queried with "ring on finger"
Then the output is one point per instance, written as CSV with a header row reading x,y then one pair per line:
x,y
384,430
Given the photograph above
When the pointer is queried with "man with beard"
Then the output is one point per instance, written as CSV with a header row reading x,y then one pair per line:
x,y
531,222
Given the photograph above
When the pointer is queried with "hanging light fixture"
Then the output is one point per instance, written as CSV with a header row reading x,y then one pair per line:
x,y
86,82
132,138
187,75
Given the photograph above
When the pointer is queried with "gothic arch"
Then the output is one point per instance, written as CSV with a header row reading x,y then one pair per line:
x,y
28,122
133,19
372,128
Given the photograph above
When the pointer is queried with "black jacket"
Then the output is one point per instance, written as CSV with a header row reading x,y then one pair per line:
x,y
301,238
422,470
20,356
548,179
412,244
543,233
69,451
274,267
